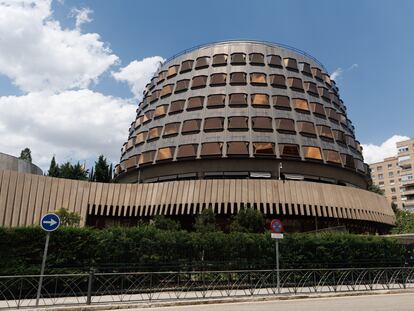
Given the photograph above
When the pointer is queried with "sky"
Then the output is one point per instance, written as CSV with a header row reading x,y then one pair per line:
x,y
72,72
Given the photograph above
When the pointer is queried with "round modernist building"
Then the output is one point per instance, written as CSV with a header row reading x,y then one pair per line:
x,y
265,119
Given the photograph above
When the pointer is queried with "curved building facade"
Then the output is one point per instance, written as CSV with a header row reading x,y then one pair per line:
x,y
242,110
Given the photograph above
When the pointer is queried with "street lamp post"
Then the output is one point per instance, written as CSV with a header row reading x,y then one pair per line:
x,y
280,166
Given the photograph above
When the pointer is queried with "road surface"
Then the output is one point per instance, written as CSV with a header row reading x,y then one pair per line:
x,y
385,302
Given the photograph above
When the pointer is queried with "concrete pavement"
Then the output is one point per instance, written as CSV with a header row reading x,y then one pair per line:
x,y
382,302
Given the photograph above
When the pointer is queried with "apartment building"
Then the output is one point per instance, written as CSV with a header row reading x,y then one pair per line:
x,y
394,175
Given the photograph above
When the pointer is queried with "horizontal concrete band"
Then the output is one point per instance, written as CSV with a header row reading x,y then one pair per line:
x,y
25,197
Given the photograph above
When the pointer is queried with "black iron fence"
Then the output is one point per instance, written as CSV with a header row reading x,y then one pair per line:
x,y
129,287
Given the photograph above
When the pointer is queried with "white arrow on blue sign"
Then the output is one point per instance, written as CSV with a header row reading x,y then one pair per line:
x,y
50,222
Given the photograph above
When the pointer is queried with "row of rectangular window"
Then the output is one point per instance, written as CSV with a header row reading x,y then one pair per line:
x,y
241,149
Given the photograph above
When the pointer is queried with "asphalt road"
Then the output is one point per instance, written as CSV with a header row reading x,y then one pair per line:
x,y
386,302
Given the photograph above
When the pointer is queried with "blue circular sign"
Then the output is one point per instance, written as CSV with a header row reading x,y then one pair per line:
x,y
50,222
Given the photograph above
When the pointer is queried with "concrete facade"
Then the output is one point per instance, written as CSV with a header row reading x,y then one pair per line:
x,y
11,163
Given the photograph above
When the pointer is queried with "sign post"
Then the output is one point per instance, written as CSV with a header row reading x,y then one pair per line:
x,y
277,233
49,222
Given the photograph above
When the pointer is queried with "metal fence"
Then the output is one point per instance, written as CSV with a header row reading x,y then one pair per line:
x,y
147,287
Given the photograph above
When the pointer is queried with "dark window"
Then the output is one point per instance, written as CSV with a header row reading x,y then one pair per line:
x,y
154,133
318,110
306,128
202,62
324,93
167,90
305,69
332,156
238,100
257,78
301,104
348,160
256,59
327,79
238,78
218,79
186,65
237,148
141,137
311,152
177,106
238,59
191,126
281,102
311,88
195,103
289,150
263,149
361,167
325,132
154,96
187,151
317,73
211,149
182,85
238,123
290,63
350,141
332,114
295,84
260,100
172,71
160,111
278,81
274,60
199,82
342,118
339,136
285,125
147,157
216,101
220,60
262,124
171,129
213,124
161,76
165,154
148,116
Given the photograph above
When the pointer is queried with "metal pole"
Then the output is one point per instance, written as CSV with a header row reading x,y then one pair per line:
x,y
90,281
277,265
42,269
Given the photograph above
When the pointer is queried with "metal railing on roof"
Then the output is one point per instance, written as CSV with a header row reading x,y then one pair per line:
x,y
267,43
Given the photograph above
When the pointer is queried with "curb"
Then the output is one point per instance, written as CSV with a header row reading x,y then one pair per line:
x,y
177,303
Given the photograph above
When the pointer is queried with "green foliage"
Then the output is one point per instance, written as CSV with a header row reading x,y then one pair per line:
x,y
206,221
76,171
26,154
404,222
53,168
248,220
145,248
68,219
376,189
103,172
163,223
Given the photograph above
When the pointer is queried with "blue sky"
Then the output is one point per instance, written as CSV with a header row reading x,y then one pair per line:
x,y
370,44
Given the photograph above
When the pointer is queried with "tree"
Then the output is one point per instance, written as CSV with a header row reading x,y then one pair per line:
x,y
26,154
69,171
164,223
53,168
102,170
376,189
68,219
206,221
404,222
248,220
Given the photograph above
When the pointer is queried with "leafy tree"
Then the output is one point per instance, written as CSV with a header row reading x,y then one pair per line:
x,y
164,223
77,171
103,172
248,220
206,221
53,168
26,154
68,219
376,189
404,222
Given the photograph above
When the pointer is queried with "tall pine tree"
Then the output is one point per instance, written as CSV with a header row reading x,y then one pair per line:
x,y
102,173
53,168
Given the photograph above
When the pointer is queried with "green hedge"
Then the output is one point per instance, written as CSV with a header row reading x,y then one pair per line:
x,y
148,248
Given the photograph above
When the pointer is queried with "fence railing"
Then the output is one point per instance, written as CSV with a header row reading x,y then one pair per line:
x,y
101,288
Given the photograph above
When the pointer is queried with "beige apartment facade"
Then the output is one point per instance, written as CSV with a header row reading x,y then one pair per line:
x,y
394,175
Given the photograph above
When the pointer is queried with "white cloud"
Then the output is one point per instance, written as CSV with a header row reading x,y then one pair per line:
x,y
377,153
73,125
81,16
37,54
138,73
338,72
